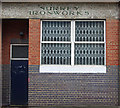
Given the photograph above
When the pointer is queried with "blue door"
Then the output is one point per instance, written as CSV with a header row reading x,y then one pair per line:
x,y
19,82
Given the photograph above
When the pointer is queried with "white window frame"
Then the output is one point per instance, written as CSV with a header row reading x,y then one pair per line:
x,y
73,68
11,45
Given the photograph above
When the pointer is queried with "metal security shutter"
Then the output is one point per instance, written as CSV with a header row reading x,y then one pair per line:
x,y
56,31
56,47
92,31
89,54
89,46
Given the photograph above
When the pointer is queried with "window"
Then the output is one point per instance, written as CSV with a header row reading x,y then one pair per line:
x,y
19,52
73,46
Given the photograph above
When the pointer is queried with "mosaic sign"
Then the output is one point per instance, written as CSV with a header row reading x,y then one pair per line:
x,y
60,10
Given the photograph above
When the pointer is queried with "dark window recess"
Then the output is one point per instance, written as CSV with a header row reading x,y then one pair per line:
x,y
19,51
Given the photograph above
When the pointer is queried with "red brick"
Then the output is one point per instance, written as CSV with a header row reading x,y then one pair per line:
x,y
34,41
112,43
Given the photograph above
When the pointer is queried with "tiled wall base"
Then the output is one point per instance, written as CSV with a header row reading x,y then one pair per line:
x,y
73,89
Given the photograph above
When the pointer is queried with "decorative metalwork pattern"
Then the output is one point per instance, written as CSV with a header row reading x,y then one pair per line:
x,y
89,31
53,53
56,30
89,54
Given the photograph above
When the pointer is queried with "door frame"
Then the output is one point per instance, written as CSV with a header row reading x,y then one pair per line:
x,y
11,58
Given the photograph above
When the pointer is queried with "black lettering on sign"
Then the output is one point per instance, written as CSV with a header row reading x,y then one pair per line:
x,y
64,13
87,13
49,12
56,12
76,7
35,12
30,12
71,13
79,13
42,12
43,8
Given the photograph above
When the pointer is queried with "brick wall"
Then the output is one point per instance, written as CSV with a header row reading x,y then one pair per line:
x,y
112,43
74,89
10,31
34,42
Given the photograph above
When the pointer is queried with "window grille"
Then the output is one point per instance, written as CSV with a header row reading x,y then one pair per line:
x,y
91,52
56,31
73,42
53,53
89,31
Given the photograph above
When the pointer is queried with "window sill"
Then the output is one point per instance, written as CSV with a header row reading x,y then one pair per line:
x,y
72,69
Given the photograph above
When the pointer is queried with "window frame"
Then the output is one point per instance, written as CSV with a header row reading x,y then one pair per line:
x,y
44,68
